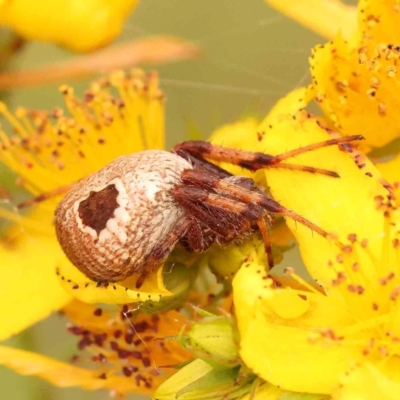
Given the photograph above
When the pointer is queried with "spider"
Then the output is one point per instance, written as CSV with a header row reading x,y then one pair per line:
x,y
126,218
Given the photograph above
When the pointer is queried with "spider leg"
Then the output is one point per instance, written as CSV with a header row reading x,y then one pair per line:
x,y
254,161
198,237
199,162
45,196
314,146
263,227
227,218
224,187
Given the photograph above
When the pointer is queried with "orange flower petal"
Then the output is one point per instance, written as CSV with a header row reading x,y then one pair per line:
x,y
154,49
62,374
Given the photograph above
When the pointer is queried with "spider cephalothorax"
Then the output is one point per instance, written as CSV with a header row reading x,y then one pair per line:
x,y
127,217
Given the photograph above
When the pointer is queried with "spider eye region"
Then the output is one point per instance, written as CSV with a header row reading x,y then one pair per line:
x,y
99,208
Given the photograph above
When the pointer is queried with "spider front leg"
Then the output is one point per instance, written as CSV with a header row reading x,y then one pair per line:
x,y
254,161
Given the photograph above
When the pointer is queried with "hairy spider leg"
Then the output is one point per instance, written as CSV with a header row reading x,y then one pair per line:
x,y
263,227
198,237
254,161
211,182
215,212
45,196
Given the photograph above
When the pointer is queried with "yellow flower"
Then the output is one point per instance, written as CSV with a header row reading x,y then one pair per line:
x,y
49,151
80,26
355,76
334,340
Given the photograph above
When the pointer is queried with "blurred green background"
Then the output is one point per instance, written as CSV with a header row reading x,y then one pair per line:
x,y
253,56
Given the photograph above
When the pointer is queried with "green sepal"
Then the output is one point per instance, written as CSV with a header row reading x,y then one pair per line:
x,y
199,380
214,337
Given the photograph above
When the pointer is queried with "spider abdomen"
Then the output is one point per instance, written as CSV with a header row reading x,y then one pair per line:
x,y
110,222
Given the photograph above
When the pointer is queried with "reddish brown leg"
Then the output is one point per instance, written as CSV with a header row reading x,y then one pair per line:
x,y
311,147
206,180
254,161
45,196
262,226
193,240
227,218
200,163
198,238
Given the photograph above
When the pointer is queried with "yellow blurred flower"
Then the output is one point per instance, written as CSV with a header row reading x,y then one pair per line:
x,y
78,25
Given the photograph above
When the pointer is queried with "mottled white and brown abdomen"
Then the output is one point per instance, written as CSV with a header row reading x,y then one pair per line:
x,y
109,223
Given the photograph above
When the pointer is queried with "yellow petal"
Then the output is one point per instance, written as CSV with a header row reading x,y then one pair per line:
x,y
278,345
324,17
85,290
366,382
64,375
80,26
30,291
